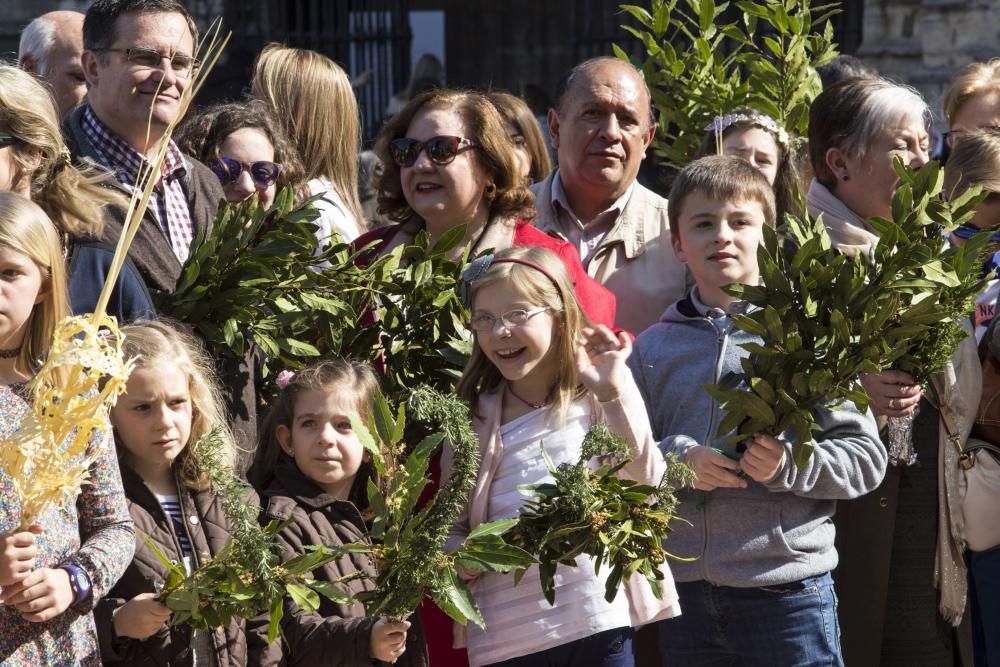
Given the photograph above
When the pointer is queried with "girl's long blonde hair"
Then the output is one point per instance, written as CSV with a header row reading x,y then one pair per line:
x,y
73,199
556,294
160,342
312,99
24,227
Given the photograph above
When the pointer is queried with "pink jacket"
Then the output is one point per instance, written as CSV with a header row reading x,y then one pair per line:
x,y
626,417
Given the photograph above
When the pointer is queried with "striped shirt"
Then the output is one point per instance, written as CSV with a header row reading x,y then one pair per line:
x,y
172,507
168,204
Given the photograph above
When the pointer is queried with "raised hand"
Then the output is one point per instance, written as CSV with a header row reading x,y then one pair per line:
x,y
600,361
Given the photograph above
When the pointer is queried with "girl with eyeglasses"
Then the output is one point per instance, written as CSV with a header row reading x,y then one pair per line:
x,y
245,148
541,374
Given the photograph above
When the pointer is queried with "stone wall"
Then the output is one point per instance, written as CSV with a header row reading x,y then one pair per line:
x,y
924,42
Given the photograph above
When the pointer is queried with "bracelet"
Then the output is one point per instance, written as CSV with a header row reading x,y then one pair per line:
x,y
79,582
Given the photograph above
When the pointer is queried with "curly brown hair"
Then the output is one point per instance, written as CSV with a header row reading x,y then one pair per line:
x,y
202,134
484,126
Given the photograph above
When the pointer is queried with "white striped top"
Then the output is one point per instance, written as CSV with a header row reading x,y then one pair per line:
x,y
519,621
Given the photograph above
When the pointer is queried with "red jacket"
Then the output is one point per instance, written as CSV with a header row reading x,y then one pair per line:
x,y
595,299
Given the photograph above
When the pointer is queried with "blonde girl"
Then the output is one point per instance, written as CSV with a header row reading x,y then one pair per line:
x,y
312,98
540,373
52,574
311,468
171,401
35,162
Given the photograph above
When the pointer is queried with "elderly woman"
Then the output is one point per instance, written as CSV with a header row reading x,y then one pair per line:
x,y
35,162
449,161
246,149
972,101
896,606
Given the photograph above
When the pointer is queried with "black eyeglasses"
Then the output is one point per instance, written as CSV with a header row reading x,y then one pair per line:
x,y
181,63
440,150
8,140
263,173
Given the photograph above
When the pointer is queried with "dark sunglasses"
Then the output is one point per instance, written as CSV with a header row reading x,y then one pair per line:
x,y
262,173
440,150
8,140
967,231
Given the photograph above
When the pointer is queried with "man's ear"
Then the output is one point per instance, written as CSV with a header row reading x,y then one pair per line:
x,y
675,243
88,59
284,436
553,120
836,162
28,63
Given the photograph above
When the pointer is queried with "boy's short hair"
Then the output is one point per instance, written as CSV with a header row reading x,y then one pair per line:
x,y
721,177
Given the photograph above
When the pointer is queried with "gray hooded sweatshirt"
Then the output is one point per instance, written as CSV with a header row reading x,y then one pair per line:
x,y
766,534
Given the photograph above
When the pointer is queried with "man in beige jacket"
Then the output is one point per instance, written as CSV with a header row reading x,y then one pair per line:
x,y
601,128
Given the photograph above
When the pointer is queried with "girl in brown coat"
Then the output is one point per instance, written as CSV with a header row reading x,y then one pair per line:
x,y
312,468
171,400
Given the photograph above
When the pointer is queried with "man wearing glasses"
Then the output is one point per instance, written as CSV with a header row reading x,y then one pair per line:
x,y
138,58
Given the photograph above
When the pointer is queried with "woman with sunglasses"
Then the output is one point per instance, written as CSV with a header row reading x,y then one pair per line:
x,y
312,99
448,161
976,160
900,582
35,162
245,148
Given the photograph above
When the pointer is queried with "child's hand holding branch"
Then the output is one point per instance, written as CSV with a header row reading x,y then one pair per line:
x,y
18,552
600,361
141,617
763,459
42,595
713,470
388,640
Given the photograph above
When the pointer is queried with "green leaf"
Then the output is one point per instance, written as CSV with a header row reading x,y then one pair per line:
x,y
368,442
492,528
329,591
454,600
304,597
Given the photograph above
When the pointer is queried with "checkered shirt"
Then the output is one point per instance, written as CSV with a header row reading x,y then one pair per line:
x,y
167,204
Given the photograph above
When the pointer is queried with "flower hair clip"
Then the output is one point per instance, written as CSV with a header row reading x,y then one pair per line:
x,y
720,124
283,378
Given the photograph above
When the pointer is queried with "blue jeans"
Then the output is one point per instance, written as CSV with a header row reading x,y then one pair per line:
x,y
984,596
786,625
611,648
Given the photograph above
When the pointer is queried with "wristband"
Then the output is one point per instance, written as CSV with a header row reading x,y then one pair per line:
x,y
79,581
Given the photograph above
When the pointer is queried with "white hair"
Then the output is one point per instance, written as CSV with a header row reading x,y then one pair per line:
x,y
888,103
37,40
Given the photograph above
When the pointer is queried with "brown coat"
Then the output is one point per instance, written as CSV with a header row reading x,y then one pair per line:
x,y
208,531
335,635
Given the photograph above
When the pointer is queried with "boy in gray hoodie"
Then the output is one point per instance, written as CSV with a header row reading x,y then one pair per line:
x,y
759,591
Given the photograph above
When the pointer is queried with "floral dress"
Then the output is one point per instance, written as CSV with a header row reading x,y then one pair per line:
x,y
99,519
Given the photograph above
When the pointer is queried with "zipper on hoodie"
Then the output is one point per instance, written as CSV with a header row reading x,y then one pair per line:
x,y
721,338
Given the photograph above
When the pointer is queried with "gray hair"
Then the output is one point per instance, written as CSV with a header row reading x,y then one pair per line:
x,y
586,67
37,40
850,114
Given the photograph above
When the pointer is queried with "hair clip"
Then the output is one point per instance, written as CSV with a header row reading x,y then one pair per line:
x,y
471,274
283,378
720,124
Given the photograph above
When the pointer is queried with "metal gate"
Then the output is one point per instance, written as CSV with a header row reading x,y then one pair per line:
x,y
359,35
